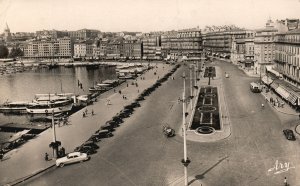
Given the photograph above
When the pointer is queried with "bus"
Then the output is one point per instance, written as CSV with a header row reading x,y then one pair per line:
x,y
254,87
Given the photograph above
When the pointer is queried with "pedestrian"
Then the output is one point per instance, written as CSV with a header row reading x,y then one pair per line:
x,y
46,156
127,85
86,111
92,112
120,91
285,181
63,151
1,154
83,114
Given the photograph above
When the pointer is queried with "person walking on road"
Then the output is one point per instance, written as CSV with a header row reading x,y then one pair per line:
x,y
285,182
93,112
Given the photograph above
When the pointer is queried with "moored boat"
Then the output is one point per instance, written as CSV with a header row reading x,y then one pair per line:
x,y
16,107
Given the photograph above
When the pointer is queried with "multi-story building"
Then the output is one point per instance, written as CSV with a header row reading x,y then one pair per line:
x,y
264,51
22,36
132,49
114,49
186,42
242,50
83,49
84,34
152,47
287,55
60,48
50,34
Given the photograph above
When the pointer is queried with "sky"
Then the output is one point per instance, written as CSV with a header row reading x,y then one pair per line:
x,y
141,15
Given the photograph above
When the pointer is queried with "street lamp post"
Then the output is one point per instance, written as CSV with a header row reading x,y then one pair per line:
x,y
191,86
185,161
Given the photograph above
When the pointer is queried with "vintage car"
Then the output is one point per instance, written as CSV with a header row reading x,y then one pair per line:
x,y
72,158
168,131
289,134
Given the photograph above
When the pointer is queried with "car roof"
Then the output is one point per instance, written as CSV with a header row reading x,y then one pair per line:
x,y
74,153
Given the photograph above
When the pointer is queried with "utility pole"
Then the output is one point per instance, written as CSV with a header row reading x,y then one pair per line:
x,y
185,161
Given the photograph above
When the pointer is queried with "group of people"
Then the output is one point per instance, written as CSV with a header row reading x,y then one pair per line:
x,y
85,113
61,153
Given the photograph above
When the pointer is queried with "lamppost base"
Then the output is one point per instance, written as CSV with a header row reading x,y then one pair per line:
x,y
186,163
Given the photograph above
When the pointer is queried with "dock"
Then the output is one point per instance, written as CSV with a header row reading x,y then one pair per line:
x,y
15,127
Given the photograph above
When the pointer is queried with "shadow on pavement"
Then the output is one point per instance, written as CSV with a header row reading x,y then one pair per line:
x,y
201,176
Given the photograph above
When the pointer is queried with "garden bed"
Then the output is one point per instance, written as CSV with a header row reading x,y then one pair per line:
x,y
207,109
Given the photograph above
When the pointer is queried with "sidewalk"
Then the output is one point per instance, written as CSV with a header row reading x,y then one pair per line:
x,y
29,158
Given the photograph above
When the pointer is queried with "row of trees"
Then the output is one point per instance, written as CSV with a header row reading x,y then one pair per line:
x,y
15,52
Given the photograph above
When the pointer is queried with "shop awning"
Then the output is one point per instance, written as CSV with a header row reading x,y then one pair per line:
x,y
282,92
267,80
292,99
274,86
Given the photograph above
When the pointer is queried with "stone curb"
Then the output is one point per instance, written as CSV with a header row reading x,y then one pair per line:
x,y
297,128
20,180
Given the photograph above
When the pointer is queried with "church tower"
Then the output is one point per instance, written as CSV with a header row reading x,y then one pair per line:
x,y
7,34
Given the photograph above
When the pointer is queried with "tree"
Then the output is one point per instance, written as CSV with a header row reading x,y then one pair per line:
x,y
3,51
15,52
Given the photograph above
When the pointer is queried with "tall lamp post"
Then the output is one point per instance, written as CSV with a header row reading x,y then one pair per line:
x,y
185,161
191,86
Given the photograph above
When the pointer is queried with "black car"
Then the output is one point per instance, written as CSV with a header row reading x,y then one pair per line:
x,y
112,123
107,126
289,134
85,149
103,134
91,144
117,119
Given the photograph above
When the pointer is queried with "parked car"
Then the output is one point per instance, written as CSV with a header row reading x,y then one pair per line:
x,y
91,144
124,114
117,119
112,123
85,149
289,134
103,133
72,158
136,104
107,126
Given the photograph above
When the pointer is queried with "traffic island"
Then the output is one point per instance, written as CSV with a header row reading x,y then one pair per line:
x,y
209,120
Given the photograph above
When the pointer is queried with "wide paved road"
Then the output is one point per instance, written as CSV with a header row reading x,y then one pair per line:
x,y
139,154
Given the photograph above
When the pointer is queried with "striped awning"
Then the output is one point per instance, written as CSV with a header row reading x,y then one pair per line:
x,y
267,80
274,85
282,92
292,99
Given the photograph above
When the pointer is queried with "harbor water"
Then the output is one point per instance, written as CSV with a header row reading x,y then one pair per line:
x,y
23,86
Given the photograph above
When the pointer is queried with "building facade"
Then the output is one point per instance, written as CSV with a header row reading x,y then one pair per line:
x,y
186,42
60,48
287,55
50,34
83,50
152,47
84,34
